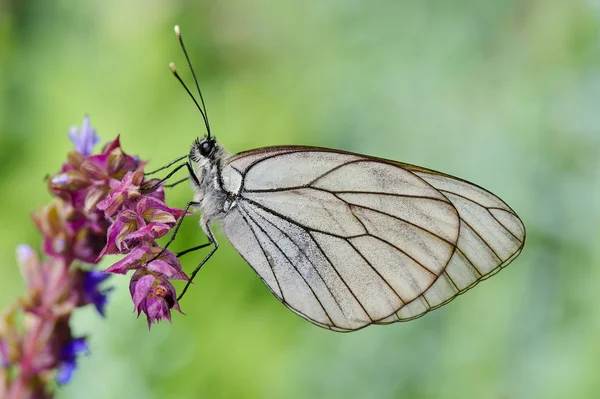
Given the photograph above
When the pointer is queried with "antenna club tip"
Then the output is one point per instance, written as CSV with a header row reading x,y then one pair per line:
x,y
172,67
177,30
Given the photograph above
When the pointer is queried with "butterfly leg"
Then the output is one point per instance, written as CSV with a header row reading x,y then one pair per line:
x,y
171,173
173,162
214,242
196,248
176,183
177,226
187,207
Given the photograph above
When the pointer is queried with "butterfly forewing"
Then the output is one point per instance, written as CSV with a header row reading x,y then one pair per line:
x,y
347,240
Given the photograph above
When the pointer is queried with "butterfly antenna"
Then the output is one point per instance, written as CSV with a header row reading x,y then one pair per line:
x,y
187,58
174,70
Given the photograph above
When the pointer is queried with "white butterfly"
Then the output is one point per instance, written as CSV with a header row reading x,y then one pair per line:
x,y
347,240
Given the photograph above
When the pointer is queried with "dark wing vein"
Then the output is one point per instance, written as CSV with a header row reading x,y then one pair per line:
x,y
402,251
452,281
383,194
482,239
339,275
404,221
351,204
502,224
305,256
471,262
293,265
265,255
308,231
376,271
307,185
287,219
488,210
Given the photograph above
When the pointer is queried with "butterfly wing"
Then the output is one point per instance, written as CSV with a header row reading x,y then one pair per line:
x,y
347,240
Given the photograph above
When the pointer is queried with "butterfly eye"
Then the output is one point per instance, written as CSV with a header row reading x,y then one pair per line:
x,y
206,148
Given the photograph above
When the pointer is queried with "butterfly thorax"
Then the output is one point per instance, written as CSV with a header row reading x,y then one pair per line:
x,y
207,158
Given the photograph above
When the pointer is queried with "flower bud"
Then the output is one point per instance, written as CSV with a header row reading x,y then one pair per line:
x,y
70,181
93,171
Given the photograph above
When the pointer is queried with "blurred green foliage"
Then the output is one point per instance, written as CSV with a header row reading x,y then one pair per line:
x,y
502,93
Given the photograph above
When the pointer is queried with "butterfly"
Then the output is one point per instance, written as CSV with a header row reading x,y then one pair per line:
x,y
348,240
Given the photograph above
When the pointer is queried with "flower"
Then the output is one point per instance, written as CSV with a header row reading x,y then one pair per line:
x,y
35,337
68,360
128,189
103,204
143,222
155,259
70,233
139,217
154,295
92,293
84,139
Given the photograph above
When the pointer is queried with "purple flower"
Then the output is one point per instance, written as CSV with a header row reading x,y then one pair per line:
x,y
70,233
92,291
109,207
36,341
84,139
154,295
127,189
141,224
141,218
69,359
166,264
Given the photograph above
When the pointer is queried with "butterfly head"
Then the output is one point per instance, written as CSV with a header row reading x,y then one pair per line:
x,y
203,150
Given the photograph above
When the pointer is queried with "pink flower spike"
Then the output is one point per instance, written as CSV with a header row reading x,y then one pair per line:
x,y
140,290
149,232
153,295
126,189
135,259
169,270
154,210
125,223
166,265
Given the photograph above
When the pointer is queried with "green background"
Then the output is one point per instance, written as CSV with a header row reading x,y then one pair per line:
x,y
503,93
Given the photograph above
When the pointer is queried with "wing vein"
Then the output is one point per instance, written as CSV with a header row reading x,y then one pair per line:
x,y
488,209
397,218
452,281
265,255
339,275
294,266
376,271
471,262
502,224
305,256
482,239
287,219
400,250
382,193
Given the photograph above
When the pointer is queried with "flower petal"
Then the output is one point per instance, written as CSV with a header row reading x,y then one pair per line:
x,y
126,189
166,269
149,232
139,288
69,357
135,259
92,292
154,208
84,139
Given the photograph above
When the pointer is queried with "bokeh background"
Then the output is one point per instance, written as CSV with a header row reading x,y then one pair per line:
x,y
503,93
